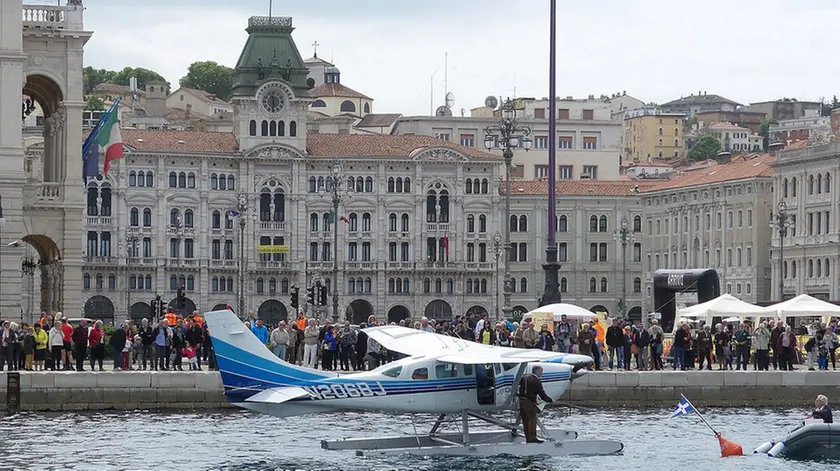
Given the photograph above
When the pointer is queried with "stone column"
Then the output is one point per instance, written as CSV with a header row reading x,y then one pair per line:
x,y
12,175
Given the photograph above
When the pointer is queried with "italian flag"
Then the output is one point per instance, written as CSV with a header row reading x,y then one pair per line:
x,y
110,139
342,218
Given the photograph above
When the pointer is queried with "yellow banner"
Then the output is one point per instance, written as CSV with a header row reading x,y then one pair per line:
x,y
540,318
272,249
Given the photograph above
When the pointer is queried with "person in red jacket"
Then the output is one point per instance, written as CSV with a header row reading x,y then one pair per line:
x,y
96,342
67,332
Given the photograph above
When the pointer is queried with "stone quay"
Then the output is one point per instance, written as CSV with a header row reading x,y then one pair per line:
x,y
161,390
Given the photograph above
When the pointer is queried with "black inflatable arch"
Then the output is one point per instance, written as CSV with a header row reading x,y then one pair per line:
x,y
667,283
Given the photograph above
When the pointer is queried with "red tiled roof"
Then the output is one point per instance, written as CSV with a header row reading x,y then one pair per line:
x,y
335,90
206,96
381,145
184,141
740,167
577,187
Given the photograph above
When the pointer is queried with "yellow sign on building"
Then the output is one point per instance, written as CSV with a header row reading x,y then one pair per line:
x,y
272,249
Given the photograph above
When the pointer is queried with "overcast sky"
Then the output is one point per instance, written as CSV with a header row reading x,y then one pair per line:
x,y
655,50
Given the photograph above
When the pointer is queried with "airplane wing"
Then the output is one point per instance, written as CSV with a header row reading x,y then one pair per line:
x,y
278,395
451,349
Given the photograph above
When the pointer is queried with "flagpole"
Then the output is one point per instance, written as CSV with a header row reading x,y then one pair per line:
x,y
697,411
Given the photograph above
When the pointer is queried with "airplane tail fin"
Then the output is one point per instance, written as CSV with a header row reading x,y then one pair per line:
x,y
246,365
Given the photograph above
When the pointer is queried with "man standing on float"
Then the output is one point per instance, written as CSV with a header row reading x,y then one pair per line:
x,y
529,388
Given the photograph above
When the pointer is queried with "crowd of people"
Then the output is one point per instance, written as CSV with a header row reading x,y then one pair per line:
x,y
53,343
178,342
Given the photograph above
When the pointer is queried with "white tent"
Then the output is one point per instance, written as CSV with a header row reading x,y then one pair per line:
x,y
803,306
570,310
725,305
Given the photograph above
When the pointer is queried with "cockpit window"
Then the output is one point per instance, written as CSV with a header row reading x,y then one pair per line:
x,y
446,370
393,372
420,373
510,366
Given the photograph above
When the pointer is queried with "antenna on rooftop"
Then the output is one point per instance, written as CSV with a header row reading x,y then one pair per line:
x,y
270,4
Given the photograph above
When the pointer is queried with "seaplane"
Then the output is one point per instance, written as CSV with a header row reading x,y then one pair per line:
x,y
454,380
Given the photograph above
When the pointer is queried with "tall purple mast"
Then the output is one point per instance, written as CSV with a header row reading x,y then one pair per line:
x,y
551,267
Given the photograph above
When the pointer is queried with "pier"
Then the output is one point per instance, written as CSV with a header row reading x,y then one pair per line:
x,y
151,390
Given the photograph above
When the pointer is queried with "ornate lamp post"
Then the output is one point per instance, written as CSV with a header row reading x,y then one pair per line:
x,y
507,135
624,236
131,252
333,187
241,209
782,221
498,251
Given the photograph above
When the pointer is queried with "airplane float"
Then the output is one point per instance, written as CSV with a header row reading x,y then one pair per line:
x,y
455,380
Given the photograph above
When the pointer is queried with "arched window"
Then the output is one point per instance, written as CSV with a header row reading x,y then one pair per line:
x,y
319,104
222,182
391,285
514,223
523,285
406,185
190,282
260,285
593,285
174,217
563,223
523,223
819,183
404,222
279,205
438,285
214,181
367,108
190,180
217,219
450,286
173,180
141,178
368,284
637,224
150,179
391,185
482,223
188,218
313,222
369,185
366,226
470,223
173,282
231,182
351,285
182,180
272,285
392,222
284,286
351,183
485,186
272,128
265,205
637,285
593,224
468,186
252,128
354,222
326,218
603,285
132,178
360,185
477,186
135,217
348,106
794,183
427,285
292,128
313,188
264,128
469,286
431,206
828,183
810,184
86,281
564,285
602,224
147,217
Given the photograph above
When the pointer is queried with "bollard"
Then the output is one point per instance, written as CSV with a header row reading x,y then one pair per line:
x,y
12,392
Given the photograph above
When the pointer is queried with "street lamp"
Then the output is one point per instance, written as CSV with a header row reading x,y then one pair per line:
x,y
498,251
507,135
241,208
333,187
28,266
131,249
624,236
782,221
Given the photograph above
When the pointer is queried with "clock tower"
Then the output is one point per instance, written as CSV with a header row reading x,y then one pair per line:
x,y
270,90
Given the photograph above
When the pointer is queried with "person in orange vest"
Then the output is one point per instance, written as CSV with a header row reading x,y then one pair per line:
x,y
600,338
196,317
171,318
301,322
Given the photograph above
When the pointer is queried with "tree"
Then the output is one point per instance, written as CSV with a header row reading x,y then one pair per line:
x,y
764,130
653,104
92,103
707,147
93,77
143,76
210,77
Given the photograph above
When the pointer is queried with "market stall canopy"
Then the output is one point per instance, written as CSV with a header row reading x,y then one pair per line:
x,y
803,306
725,305
570,310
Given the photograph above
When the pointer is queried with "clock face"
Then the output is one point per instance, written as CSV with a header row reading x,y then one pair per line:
x,y
273,101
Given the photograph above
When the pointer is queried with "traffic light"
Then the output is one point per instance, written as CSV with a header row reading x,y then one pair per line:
x,y
310,295
322,295
181,303
294,296
154,305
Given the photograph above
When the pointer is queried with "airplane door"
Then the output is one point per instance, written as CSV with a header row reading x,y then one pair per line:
x,y
502,390
485,379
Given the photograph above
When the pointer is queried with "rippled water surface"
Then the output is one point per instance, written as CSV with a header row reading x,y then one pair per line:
x,y
239,440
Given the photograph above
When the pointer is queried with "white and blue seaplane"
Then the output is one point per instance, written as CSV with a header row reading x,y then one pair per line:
x,y
455,380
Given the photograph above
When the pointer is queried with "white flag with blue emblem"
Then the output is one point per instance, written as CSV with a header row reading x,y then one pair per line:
x,y
683,408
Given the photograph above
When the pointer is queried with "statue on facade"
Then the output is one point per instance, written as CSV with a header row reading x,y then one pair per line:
x,y
821,135
260,69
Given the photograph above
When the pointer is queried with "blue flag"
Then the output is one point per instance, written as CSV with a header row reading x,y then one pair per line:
x,y
683,408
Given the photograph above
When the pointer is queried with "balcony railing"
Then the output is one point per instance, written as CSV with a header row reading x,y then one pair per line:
x,y
48,192
437,227
273,225
44,17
